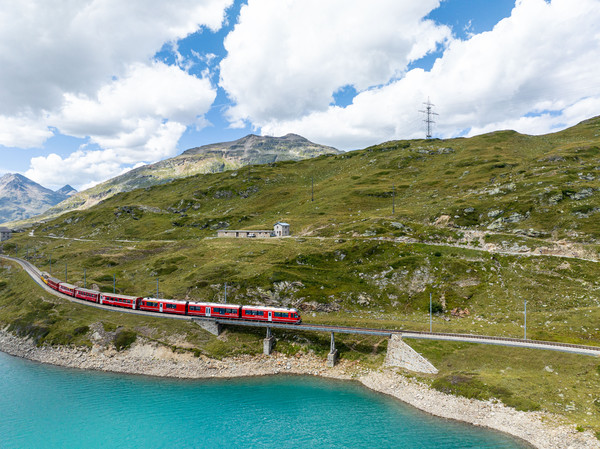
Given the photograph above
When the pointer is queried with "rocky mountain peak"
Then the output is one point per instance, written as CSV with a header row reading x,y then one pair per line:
x,y
67,190
20,197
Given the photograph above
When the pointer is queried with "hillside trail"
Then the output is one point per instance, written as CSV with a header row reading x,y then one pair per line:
x,y
475,240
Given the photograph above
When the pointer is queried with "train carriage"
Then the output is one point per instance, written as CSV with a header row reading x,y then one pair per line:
x,y
271,314
163,305
50,281
87,294
209,309
114,299
67,289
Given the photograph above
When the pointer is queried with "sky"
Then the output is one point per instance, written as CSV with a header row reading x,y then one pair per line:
x,y
92,88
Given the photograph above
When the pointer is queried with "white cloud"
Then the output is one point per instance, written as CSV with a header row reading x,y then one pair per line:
x,y
286,58
49,48
125,113
546,122
137,118
85,67
23,131
545,57
86,167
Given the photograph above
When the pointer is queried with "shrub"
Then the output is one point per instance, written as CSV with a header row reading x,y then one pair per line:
x,y
124,339
104,278
437,308
81,330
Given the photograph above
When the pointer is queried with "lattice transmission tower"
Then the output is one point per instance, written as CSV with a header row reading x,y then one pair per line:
x,y
429,116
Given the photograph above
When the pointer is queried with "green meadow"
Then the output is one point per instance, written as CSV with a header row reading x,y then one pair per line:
x,y
480,224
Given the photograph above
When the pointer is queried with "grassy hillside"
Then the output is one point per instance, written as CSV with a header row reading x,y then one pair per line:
x,y
481,224
543,186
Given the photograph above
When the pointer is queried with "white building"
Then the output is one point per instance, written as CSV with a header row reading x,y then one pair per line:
x,y
281,229
5,234
244,233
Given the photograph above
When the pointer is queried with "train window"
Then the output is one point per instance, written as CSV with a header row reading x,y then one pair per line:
x,y
171,306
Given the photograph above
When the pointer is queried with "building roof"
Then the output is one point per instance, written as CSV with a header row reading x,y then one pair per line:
x,y
245,230
282,223
3,229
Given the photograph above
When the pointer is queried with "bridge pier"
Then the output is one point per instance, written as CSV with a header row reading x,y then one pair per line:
x,y
209,325
268,343
332,357
401,355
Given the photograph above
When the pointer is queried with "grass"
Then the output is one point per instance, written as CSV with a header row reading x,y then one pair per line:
x,y
351,261
560,383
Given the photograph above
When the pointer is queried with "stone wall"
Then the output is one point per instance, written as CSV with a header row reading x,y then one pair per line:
x,y
401,355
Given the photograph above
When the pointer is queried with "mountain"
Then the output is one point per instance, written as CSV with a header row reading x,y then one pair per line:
x,y
22,198
213,158
67,190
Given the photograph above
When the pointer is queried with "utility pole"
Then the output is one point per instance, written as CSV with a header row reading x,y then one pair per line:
x,y
157,287
225,292
114,283
430,315
66,272
312,188
393,199
84,280
525,337
429,116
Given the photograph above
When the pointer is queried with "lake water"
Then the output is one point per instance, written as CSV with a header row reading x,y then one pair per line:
x,y
44,406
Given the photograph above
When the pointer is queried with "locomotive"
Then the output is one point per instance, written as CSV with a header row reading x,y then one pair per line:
x,y
178,307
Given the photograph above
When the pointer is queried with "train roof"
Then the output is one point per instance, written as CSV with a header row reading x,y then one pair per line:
x,y
150,298
87,290
66,284
214,304
273,309
117,295
47,276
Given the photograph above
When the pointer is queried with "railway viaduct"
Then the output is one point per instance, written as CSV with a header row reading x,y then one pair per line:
x,y
399,353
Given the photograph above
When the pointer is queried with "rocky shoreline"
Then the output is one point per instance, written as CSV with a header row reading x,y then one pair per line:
x,y
148,358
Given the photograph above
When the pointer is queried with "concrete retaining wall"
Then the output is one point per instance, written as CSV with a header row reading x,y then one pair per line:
x,y
401,355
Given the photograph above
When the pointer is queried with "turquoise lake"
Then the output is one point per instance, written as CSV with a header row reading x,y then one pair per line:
x,y
44,406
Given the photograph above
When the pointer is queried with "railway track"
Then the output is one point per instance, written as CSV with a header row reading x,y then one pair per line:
x,y
35,273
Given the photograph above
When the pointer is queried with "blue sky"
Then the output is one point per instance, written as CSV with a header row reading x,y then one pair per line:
x,y
90,90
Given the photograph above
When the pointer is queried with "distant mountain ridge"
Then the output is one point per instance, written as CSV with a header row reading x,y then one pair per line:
x,y
21,198
67,190
212,158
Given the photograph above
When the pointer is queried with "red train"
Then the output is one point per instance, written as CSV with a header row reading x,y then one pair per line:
x,y
191,308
